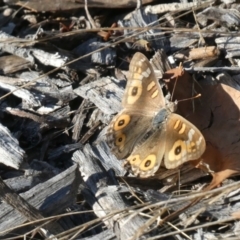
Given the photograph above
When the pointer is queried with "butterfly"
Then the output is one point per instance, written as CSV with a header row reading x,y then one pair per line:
x,y
147,133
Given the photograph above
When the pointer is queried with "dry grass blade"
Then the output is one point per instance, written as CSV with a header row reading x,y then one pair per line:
x,y
156,210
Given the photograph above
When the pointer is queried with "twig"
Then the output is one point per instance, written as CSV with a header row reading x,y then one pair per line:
x,y
90,132
88,15
194,228
200,34
212,69
170,7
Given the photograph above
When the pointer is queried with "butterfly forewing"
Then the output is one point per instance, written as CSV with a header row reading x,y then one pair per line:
x,y
141,101
143,92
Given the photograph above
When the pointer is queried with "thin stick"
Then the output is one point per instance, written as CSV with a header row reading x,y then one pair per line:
x,y
90,19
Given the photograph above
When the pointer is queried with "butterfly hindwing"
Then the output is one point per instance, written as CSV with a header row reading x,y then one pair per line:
x,y
184,142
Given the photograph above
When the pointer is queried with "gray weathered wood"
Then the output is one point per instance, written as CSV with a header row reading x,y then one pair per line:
x,y
225,17
11,154
12,45
42,95
27,210
106,56
27,96
168,7
139,18
230,45
78,120
105,196
101,151
106,235
37,172
106,93
43,197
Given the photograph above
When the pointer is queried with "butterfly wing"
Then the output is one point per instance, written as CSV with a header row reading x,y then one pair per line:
x,y
172,142
147,156
145,132
184,142
125,130
143,92
142,98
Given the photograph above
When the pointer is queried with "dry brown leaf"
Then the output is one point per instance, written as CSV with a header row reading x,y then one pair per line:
x,y
216,114
107,34
174,73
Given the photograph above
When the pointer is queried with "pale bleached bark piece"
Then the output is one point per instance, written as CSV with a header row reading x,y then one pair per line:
x,y
230,44
213,69
225,17
183,40
42,96
170,7
26,96
55,119
11,153
106,93
50,91
21,48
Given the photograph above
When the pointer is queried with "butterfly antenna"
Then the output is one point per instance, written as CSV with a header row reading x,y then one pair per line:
x,y
175,83
191,98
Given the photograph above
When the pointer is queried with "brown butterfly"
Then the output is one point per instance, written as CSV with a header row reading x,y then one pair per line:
x,y
146,132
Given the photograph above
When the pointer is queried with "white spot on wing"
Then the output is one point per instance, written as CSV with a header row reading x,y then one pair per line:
x,y
190,134
139,77
199,141
146,73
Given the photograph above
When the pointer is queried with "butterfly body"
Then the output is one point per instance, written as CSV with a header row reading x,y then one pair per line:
x,y
146,132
